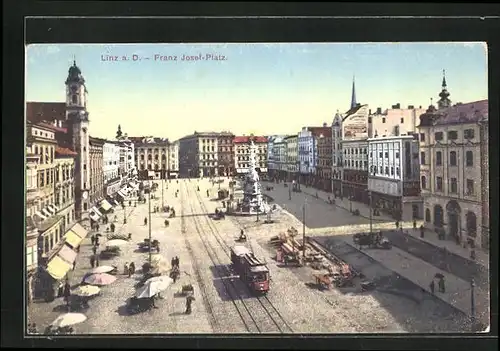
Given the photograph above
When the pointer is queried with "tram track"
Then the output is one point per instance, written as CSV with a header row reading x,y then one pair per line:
x,y
269,318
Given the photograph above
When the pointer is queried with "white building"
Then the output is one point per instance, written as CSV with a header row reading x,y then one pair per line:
x,y
111,167
273,165
451,170
280,157
394,176
396,121
242,153
174,159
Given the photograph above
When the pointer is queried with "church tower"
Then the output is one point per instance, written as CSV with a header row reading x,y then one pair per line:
x,y
444,95
353,94
78,125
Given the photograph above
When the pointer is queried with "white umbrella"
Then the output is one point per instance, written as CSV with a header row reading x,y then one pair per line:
x,y
86,290
116,243
152,288
67,319
102,269
161,278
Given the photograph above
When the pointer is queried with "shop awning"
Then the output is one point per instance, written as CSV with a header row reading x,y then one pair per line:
x,y
46,212
93,216
56,209
58,268
67,254
75,235
51,209
106,206
134,186
39,214
122,193
116,203
96,210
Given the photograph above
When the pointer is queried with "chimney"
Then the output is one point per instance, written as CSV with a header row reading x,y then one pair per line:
x,y
379,110
420,106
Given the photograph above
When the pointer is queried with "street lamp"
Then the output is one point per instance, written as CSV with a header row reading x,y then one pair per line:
x,y
124,214
371,211
304,228
472,305
350,202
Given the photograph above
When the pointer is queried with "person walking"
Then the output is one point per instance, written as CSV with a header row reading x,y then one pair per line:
x,y
422,229
125,268
397,224
189,301
92,239
130,270
67,292
432,286
97,260
94,249
92,261
132,267
414,224
172,262
96,241
177,261
441,285
145,221
74,265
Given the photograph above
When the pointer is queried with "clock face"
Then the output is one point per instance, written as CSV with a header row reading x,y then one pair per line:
x,y
85,195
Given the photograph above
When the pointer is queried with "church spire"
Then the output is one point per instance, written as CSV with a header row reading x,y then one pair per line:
x,y
444,100
353,96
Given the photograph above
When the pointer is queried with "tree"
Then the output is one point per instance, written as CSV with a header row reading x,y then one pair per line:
x,y
119,132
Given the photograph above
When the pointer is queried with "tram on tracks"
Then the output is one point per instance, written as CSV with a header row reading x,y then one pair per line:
x,y
252,271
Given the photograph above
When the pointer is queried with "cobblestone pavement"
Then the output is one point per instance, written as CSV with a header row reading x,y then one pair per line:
x,y
106,314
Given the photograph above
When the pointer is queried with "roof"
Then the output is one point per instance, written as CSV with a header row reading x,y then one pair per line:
x,y
149,140
471,112
291,136
63,151
52,127
317,131
246,139
240,250
353,110
96,141
45,111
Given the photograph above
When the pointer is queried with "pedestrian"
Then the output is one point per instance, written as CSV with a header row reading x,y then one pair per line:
x,y
97,241
130,270
92,239
92,261
132,267
74,265
397,224
97,227
94,249
145,221
422,229
441,285
189,301
130,203
125,268
172,262
67,292
177,261
96,260
414,224
432,286
152,301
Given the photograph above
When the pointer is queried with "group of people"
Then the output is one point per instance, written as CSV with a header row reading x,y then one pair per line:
x,y
441,285
129,269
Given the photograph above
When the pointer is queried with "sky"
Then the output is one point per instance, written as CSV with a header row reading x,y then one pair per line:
x,y
263,89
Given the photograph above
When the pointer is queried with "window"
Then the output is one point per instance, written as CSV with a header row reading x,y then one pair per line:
x,y
469,134
402,120
469,159
371,154
397,154
381,170
73,99
452,135
423,182
387,170
439,158
427,215
84,166
453,186
453,158
470,187
422,137
380,154
357,164
386,154
397,171
366,165
383,119
422,157
392,171
439,184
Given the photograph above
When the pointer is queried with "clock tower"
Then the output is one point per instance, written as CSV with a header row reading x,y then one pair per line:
x,y
78,126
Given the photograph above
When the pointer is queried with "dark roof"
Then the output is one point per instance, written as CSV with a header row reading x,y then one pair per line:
x,y
471,112
317,131
45,111
63,151
97,141
290,136
52,127
352,111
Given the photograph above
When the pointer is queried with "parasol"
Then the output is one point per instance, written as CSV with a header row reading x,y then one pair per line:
x,y
102,269
86,290
161,278
100,279
153,287
68,319
439,275
116,243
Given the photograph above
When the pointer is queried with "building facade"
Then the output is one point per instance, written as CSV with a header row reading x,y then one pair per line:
x,y
111,154
292,157
96,154
324,166
225,154
198,154
451,169
64,167
393,179
273,160
152,157
396,121
307,140
33,197
485,183
242,153
337,155
280,158
174,159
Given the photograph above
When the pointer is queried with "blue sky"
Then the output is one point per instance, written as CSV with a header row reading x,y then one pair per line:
x,y
258,88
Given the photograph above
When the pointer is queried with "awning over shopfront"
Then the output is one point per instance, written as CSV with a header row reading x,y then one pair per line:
x,y
46,212
93,216
51,209
106,206
58,268
134,186
67,254
122,192
56,209
114,202
39,214
75,235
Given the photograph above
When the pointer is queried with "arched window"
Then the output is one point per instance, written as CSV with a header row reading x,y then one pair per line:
x,y
149,157
469,159
427,215
453,158
438,216
423,182
74,98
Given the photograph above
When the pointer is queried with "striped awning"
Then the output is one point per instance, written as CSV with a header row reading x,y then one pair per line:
x,y
106,206
93,216
94,208
122,193
56,209
46,212
39,214
58,268
113,201
51,209
75,235
67,254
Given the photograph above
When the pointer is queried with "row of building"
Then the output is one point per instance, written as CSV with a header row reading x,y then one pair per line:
x,y
412,163
72,179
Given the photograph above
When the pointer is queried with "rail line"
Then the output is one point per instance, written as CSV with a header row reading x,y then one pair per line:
x,y
203,289
251,325
261,306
